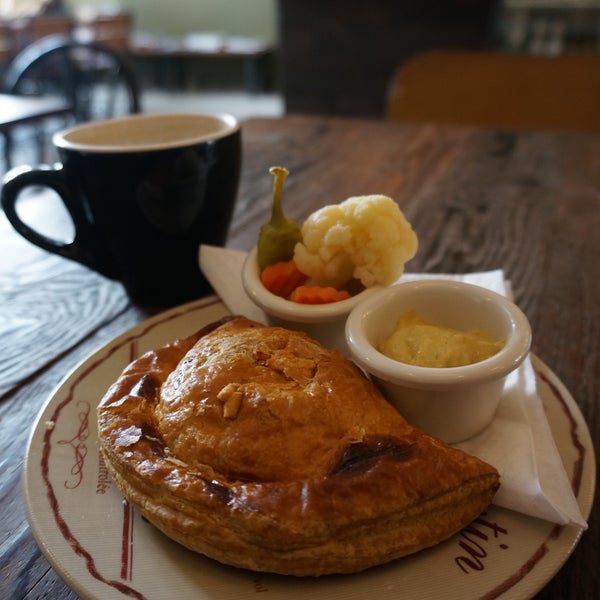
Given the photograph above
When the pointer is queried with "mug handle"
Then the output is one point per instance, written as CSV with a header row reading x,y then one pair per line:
x,y
85,247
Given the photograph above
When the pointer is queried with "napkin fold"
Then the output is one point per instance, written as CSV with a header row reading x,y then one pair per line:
x,y
518,442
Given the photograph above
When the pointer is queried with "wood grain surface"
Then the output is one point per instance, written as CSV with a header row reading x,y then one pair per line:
x,y
526,202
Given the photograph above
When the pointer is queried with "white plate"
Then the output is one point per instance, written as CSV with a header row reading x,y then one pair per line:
x,y
104,550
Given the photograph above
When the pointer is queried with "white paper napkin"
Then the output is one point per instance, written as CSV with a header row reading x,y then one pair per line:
x,y
518,442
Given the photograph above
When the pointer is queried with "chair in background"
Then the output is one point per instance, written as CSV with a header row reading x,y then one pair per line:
x,y
93,80
498,90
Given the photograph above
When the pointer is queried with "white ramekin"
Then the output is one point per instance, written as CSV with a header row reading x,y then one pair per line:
x,y
323,322
452,403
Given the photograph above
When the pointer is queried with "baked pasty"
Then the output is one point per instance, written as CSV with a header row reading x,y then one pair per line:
x,y
258,447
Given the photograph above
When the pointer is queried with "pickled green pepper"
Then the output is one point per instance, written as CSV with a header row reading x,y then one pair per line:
x,y
278,237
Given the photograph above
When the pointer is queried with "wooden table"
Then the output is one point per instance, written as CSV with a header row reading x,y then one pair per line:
x,y
20,110
178,56
528,203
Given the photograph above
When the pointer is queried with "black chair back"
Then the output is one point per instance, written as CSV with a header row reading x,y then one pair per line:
x,y
96,80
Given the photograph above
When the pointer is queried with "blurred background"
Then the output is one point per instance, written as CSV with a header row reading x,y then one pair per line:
x,y
270,57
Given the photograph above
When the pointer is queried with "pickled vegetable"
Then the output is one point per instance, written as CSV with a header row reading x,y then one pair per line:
x,y
278,237
282,278
364,237
316,294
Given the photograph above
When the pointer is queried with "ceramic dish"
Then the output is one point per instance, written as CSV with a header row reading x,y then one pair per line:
x,y
451,403
105,551
323,322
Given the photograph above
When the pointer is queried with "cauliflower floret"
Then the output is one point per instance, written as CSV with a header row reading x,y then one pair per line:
x,y
365,237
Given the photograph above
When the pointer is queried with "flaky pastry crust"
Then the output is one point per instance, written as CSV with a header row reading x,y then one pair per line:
x,y
261,449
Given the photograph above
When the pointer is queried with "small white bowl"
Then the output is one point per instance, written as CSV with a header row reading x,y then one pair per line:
x,y
453,403
323,322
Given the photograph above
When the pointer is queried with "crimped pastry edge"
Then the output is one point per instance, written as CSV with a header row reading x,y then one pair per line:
x,y
351,550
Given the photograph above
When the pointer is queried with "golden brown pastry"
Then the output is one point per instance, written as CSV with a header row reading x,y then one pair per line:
x,y
261,449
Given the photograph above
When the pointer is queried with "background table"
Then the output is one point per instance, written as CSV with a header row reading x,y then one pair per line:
x,y
479,199
21,110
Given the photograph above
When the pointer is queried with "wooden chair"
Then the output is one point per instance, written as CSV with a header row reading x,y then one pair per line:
x,y
498,90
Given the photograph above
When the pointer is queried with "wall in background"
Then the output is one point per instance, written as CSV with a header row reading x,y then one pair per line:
x,y
337,56
257,18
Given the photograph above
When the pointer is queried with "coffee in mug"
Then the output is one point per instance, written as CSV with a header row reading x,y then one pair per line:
x,y
143,192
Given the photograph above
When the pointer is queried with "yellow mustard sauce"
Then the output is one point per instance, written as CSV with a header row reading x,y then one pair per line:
x,y
417,342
